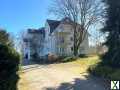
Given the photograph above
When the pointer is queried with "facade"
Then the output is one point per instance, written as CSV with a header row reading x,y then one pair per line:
x,y
56,38
59,38
33,43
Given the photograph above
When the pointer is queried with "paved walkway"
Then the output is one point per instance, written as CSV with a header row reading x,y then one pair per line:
x,y
59,77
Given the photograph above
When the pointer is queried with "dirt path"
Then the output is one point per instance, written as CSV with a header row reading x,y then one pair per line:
x,y
59,77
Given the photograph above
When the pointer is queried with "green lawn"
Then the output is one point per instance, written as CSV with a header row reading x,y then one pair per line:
x,y
86,62
83,64
91,64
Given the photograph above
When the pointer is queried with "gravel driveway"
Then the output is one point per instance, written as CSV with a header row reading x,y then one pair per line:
x,y
59,77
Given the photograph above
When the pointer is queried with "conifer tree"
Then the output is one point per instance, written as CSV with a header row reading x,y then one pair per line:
x,y
112,27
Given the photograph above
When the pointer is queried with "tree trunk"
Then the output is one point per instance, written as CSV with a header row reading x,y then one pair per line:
x,y
75,41
75,51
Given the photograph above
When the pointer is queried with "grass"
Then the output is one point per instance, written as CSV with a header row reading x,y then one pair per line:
x,y
81,65
96,68
105,71
91,64
87,61
115,75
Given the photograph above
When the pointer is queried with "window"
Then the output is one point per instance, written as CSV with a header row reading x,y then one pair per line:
x,y
82,48
71,38
61,40
61,50
71,48
26,56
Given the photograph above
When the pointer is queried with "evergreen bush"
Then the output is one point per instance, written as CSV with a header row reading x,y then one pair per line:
x,y
9,65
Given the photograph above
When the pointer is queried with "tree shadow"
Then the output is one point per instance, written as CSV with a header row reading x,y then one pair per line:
x,y
90,83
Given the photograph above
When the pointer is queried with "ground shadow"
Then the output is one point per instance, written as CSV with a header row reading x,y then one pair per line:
x,y
90,83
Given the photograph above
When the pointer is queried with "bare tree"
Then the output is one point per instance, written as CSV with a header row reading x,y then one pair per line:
x,y
84,12
19,41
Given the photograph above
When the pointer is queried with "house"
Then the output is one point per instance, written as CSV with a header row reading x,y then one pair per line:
x,y
33,43
57,37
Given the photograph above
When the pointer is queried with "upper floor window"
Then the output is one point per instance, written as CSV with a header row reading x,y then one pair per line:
x,y
71,48
61,40
71,38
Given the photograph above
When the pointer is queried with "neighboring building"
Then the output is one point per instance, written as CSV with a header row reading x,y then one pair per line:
x,y
33,43
56,38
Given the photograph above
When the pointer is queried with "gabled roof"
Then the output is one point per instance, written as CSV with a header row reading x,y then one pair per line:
x,y
37,31
53,24
42,31
67,20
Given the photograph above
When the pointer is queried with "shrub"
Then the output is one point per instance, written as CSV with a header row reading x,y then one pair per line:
x,y
52,58
82,55
99,70
105,71
35,56
68,59
115,75
111,58
9,65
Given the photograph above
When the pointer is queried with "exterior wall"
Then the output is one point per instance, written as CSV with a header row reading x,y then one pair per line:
x,y
34,44
65,32
55,46
37,44
47,43
84,47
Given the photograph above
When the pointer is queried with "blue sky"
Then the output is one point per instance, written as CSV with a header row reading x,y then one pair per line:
x,y
17,15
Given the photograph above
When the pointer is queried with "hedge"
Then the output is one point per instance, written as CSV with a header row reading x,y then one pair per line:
x,y
9,65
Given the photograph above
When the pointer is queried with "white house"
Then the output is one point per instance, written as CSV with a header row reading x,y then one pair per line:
x,y
33,43
57,37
